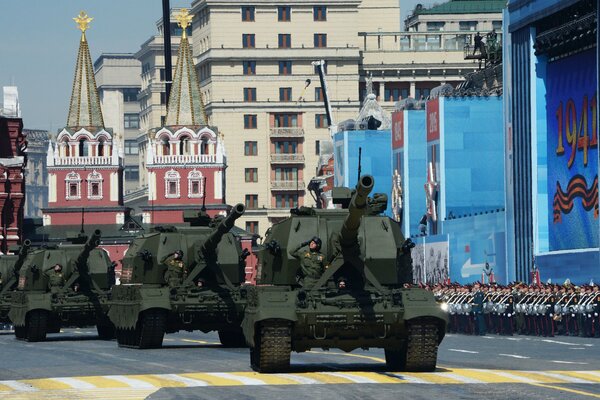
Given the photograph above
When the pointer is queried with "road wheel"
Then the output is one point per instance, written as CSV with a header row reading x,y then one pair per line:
x,y
36,325
273,347
106,330
20,332
395,359
422,345
151,329
233,338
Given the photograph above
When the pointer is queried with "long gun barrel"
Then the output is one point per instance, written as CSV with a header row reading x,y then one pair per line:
x,y
22,255
225,226
358,204
90,245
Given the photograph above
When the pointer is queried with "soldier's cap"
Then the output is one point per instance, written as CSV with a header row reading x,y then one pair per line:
x,y
317,241
179,252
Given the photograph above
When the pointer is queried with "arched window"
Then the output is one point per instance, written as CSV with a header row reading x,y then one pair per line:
x,y
73,186
101,143
172,185
204,149
66,147
195,184
184,145
94,182
166,146
83,148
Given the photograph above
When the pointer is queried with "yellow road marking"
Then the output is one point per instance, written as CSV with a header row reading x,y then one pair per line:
x,y
102,382
379,378
581,375
437,377
581,392
4,388
212,380
267,378
198,341
46,384
158,381
545,379
378,359
324,378
484,376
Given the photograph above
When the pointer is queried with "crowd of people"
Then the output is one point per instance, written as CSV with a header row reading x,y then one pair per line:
x,y
538,310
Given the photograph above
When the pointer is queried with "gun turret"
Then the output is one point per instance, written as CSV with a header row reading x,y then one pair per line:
x,y
22,255
90,245
356,210
224,226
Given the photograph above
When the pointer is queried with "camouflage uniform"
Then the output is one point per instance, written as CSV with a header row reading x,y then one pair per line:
x,y
312,264
56,281
176,270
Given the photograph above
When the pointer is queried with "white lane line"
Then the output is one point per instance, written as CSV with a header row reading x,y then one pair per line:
x,y
75,383
563,377
20,386
189,382
300,379
350,377
568,362
514,376
460,378
566,343
513,356
412,379
595,373
132,382
243,379
577,348
464,351
514,339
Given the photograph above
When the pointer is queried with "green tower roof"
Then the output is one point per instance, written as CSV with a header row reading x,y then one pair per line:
x,y
466,7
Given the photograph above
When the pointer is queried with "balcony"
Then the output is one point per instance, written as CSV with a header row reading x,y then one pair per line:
x,y
287,158
62,161
186,159
286,132
288,185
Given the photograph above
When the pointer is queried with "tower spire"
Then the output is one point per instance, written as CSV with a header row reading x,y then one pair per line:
x,y
186,107
84,108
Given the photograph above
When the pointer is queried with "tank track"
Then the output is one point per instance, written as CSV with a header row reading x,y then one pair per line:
x,y
422,345
272,347
232,338
148,333
36,326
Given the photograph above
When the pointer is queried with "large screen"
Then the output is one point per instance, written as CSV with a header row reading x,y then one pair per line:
x,y
571,103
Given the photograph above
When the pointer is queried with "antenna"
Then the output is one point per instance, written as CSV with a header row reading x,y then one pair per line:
x,y
203,193
166,13
359,163
82,219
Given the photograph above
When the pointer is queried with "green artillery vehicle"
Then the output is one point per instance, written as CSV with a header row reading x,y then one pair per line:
x,y
361,298
9,273
67,285
200,290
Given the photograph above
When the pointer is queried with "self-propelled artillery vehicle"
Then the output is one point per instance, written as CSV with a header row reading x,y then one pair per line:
x,y
66,285
206,294
359,301
9,274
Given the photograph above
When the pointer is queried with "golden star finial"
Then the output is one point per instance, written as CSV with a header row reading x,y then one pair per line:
x,y
83,20
184,19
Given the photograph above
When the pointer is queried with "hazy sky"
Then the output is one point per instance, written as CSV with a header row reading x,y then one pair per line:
x,y
39,41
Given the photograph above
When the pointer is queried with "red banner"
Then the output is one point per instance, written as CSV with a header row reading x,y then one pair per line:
x,y
433,120
398,130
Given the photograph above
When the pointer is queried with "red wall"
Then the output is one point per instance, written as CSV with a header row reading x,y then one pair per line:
x,y
61,189
91,216
208,172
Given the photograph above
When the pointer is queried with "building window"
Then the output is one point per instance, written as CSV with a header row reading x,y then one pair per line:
x,y
248,13
163,98
250,148
285,67
284,14
285,40
497,25
250,121
320,13
286,200
251,175
320,121
132,173
249,94
163,120
286,147
195,186
285,94
130,95
467,25
324,69
161,74
131,147
172,184
251,201
94,181
248,40
319,94
249,67
286,120
422,93
317,147
286,174
395,94
131,121
320,39
73,185
435,26
252,227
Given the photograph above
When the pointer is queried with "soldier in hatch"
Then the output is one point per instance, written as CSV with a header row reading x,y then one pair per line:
x,y
56,280
176,268
312,261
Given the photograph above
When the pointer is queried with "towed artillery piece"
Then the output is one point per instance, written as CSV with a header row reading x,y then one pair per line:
x,y
9,274
359,301
78,299
207,296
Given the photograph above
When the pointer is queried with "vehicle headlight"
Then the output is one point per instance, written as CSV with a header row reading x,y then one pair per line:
x,y
444,306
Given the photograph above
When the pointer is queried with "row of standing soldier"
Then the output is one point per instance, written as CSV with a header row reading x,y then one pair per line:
x,y
538,310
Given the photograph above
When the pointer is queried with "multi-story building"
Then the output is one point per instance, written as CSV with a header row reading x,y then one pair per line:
x,y
261,90
118,80
153,94
36,174
430,52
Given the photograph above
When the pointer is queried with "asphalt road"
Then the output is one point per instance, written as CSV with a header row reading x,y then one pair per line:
x,y
75,364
